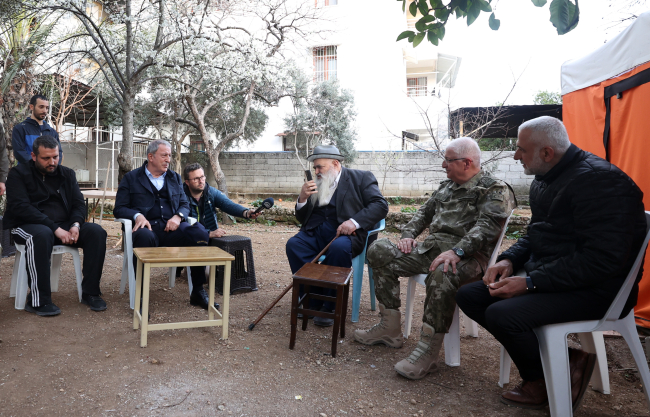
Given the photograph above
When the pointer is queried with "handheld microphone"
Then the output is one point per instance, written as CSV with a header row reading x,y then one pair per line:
x,y
266,204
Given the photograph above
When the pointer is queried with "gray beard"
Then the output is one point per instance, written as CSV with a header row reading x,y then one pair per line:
x,y
324,193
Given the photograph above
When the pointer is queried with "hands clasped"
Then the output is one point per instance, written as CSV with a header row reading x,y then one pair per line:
x,y
500,281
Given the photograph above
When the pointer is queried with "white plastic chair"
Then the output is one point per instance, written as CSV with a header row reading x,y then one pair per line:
x,y
128,272
19,277
590,342
553,345
452,339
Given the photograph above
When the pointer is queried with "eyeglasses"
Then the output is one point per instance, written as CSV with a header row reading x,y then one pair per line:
x,y
198,179
447,160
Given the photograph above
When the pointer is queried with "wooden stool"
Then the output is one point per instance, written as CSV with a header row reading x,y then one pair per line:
x,y
324,276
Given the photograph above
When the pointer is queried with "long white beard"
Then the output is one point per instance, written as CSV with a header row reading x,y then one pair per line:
x,y
325,192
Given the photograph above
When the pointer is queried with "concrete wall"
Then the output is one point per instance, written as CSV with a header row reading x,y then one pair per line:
x,y
398,173
406,174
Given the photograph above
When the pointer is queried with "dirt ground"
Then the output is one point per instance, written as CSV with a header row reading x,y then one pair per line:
x,y
85,363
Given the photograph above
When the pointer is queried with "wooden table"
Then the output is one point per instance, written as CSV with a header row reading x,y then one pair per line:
x,y
188,256
96,195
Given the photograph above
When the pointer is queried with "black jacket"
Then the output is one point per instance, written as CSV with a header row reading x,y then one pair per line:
x,y
358,197
587,226
134,194
212,199
26,190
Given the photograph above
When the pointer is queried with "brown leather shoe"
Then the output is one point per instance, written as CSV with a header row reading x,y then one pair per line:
x,y
528,394
581,365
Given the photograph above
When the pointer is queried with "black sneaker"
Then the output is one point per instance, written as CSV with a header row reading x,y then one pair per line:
x,y
95,302
46,310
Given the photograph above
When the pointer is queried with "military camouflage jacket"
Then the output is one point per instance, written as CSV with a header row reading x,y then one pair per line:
x,y
468,216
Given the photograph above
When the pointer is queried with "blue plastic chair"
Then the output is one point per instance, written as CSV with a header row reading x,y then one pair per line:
x,y
357,279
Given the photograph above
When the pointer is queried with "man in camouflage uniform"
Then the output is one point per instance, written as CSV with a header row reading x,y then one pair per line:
x,y
465,218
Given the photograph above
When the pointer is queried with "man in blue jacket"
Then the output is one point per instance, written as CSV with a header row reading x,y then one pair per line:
x,y
152,196
25,133
204,200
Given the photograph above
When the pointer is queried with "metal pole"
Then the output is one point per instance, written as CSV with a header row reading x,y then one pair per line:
x,y
112,160
97,144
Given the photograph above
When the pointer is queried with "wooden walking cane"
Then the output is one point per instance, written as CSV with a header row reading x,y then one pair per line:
x,y
286,290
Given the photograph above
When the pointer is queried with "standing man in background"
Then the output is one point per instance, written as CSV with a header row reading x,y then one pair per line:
x,y
25,133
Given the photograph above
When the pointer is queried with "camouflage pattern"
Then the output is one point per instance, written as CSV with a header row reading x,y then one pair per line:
x,y
468,216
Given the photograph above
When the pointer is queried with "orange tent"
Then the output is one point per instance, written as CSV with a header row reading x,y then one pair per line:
x,y
606,110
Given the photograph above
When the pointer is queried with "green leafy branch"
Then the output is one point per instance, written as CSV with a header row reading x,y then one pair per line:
x,y
435,15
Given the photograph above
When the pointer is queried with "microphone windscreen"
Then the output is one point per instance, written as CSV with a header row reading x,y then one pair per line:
x,y
268,203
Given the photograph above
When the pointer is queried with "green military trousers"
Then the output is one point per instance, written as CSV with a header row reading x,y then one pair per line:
x,y
389,263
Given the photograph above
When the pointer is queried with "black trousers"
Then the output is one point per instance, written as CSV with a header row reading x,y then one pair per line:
x,y
39,240
185,235
511,321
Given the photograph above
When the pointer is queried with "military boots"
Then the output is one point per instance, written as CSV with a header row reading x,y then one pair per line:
x,y
388,331
425,356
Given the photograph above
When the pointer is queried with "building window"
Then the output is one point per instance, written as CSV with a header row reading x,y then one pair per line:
x,y
324,63
321,3
196,143
416,87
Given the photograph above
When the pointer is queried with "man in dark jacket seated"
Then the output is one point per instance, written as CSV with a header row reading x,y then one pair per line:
x,y
586,229
341,202
204,200
45,208
152,196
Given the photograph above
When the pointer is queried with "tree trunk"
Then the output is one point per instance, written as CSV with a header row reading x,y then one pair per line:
x,y
176,141
15,103
125,158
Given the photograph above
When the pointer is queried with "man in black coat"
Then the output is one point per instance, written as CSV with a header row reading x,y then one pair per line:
x,y
341,202
45,208
153,197
586,229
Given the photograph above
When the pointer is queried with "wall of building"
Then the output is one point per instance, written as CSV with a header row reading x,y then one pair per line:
x,y
81,156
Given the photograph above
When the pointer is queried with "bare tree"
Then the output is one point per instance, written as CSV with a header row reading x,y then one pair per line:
x,y
245,69
125,40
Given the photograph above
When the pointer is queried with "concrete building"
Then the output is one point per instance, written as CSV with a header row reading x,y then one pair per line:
x,y
393,83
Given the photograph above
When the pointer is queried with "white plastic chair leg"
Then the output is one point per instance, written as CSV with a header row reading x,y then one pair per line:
x,y
471,327
55,271
77,270
452,342
627,328
410,299
504,367
593,342
19,278
172,277
553,348
14,275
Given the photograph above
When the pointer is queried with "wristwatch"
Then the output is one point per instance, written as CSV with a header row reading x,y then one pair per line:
x,y
76,224
459,252
529,285
179,214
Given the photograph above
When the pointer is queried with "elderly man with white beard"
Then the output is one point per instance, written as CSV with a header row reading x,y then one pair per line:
x,y
343,203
